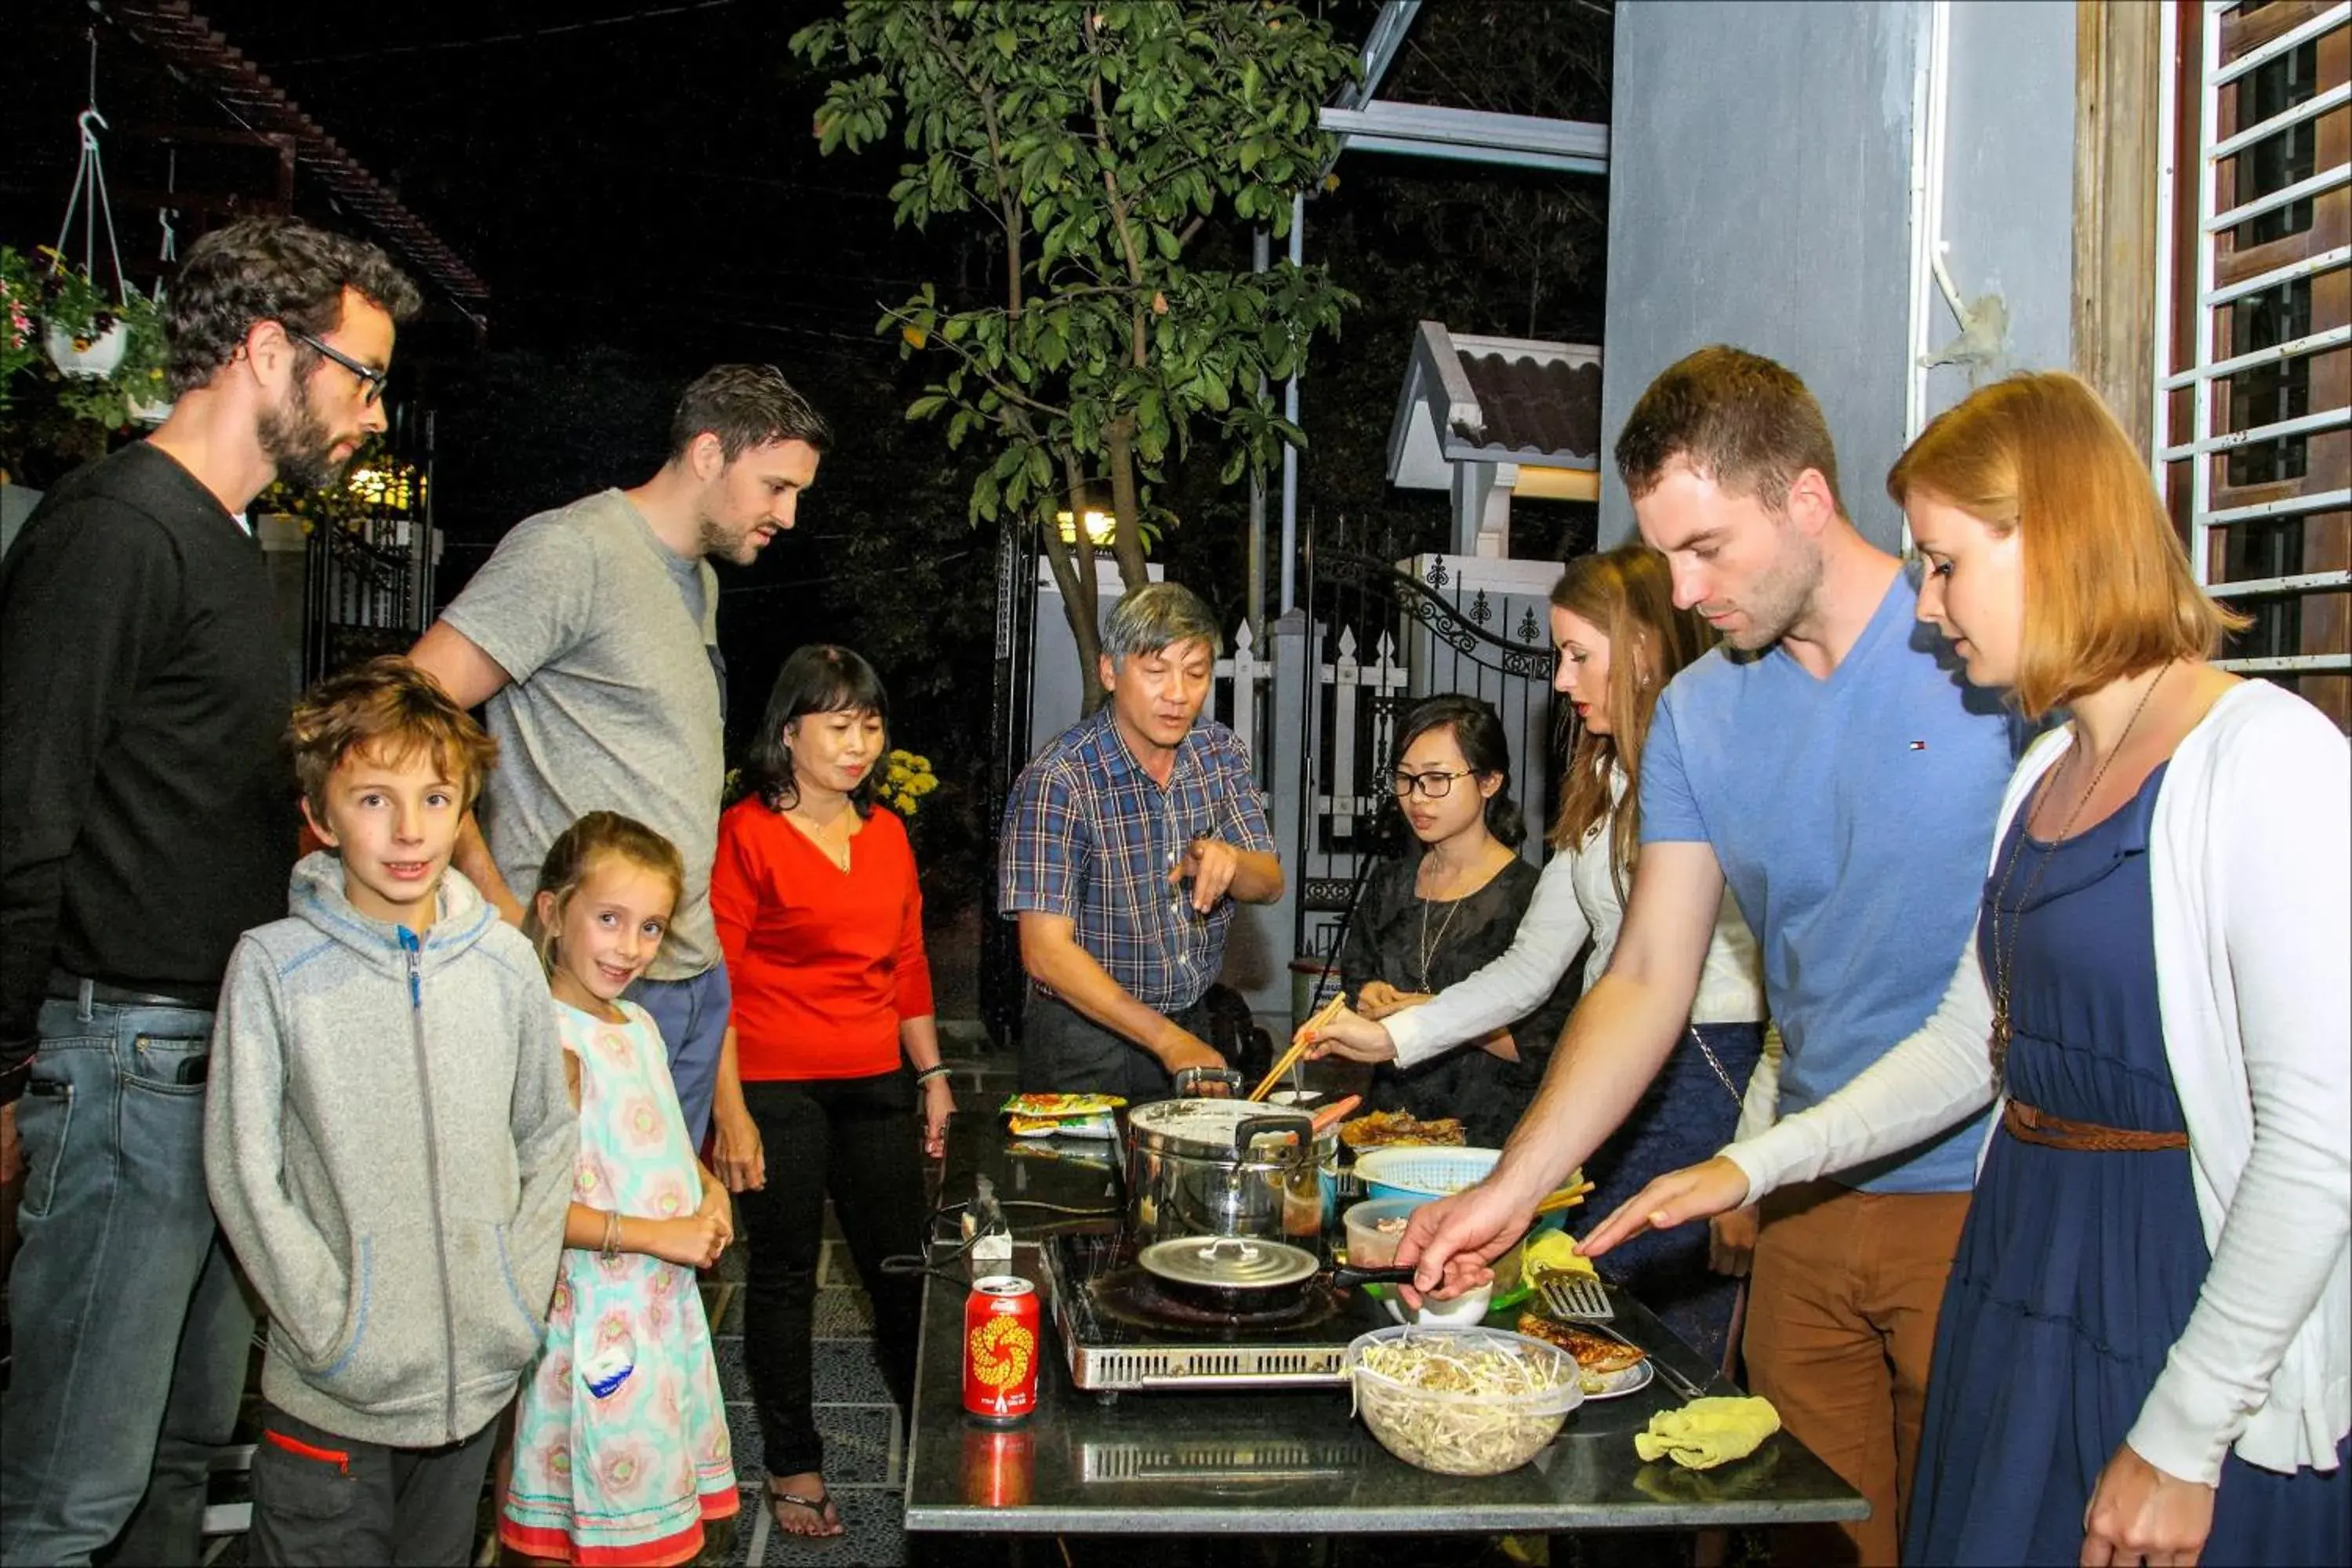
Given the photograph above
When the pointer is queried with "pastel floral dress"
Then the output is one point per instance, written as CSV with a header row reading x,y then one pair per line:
x,y
620,1446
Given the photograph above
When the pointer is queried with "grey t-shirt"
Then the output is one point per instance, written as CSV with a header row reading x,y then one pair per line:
x,y
614,704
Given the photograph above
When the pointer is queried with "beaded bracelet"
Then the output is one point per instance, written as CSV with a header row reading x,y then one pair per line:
x,y
924,1077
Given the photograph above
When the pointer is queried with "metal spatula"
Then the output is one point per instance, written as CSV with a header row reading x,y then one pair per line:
x,y
1578,1298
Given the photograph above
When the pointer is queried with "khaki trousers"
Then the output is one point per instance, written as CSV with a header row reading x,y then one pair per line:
x,y
1841,1325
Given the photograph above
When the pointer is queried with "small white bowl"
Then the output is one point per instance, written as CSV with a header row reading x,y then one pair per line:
x,y
1465,1311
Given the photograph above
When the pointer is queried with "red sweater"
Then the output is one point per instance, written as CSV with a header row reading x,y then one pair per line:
x,y
824,962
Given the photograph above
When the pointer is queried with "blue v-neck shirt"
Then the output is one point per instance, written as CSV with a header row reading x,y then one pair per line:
x,y
1852,816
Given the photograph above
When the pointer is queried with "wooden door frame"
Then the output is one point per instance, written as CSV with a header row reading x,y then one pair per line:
x,y
2118,81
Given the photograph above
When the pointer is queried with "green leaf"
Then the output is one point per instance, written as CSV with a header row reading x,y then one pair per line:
x,y
1211,117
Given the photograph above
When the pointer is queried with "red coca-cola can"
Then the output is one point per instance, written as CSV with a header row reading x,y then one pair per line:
x,y
996,1465
1001,1348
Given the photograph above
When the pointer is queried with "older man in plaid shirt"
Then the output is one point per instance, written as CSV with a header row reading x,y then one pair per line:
x,y
1126,843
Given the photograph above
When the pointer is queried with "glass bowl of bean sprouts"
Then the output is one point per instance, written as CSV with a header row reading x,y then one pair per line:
x,y
1462,1401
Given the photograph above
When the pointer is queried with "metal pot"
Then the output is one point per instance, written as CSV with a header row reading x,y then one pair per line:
x,y
1225,1167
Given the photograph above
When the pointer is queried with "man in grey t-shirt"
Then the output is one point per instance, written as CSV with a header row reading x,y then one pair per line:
x,y
591,633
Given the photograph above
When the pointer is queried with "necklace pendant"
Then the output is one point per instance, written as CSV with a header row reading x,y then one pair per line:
x,y
2000,1032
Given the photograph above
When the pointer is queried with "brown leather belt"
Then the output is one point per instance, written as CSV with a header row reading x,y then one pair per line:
x,y
2028,1125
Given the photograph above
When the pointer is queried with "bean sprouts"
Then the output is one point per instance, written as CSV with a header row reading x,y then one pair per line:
x,y
1461,1407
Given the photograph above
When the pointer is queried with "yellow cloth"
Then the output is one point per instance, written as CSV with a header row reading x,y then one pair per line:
x,y
1554,1253
1708,1432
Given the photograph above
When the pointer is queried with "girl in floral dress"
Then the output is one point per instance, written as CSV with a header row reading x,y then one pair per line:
x,y
620,1449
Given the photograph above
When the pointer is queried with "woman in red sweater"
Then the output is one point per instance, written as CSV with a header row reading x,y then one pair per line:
x,y
821,921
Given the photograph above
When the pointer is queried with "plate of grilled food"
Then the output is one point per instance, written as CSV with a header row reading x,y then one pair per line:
x,y
1395,1129
1609,1367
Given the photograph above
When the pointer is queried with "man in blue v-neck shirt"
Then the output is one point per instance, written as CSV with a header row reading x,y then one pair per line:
x,y
1827,762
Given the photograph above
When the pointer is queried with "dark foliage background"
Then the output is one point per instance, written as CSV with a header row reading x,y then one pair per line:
x,y
640,185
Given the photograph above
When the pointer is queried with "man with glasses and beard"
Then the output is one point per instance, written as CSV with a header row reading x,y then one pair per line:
x,y
146,820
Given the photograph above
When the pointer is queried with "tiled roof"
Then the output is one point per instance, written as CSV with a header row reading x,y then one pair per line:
x,y
209,60
1535,406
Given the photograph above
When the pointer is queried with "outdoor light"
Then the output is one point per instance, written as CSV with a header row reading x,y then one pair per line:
x,y
1100,527
388,484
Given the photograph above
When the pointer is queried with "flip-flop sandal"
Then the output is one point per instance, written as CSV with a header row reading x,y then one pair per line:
x,y
820,1505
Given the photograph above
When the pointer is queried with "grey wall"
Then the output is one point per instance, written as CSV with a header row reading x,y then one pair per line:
x,y
1759,195
1057,689
2009,184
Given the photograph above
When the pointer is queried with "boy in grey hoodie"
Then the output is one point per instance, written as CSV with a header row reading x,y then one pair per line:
x,y
388,1141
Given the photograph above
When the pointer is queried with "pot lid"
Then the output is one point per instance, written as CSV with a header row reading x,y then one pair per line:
x,y
1229,1262
1209,1126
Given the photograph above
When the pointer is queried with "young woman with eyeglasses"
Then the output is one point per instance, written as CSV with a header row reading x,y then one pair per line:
x,y
1621,639
1433,916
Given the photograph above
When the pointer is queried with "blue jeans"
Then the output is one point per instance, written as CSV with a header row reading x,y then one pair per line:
x,y
692,1015
133,1333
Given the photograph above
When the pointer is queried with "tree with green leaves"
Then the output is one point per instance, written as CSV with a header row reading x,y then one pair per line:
x,y
1102,137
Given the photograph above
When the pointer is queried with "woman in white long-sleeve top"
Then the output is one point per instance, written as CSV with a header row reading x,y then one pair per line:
x,y
1621,639
2144,1351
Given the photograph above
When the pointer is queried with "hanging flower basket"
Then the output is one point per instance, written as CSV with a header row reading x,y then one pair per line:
x,y
109,352
84,357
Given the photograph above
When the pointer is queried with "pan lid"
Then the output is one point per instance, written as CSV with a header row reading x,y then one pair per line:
x,y
1229,1262
1215,1127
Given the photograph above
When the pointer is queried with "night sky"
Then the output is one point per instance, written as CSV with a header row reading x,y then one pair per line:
x,y
626,174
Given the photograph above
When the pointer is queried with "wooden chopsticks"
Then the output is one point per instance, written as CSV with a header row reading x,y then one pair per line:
x,y
1300,1041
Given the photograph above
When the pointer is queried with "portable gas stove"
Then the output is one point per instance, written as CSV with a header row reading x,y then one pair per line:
x,y
1123,1331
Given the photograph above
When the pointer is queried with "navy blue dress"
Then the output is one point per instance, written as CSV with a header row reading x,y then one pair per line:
x,y
2077,1271
1683,1117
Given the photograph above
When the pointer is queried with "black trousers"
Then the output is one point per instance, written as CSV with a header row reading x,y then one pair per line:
x,y
320,1499
857,1139
1064,1052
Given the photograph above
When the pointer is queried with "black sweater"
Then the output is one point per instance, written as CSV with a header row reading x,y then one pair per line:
x,y
145,805
1393,930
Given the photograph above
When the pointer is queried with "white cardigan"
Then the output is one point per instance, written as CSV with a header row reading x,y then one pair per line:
x,y
2250,865
1575,898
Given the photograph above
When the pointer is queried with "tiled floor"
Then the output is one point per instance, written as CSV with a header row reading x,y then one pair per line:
x,y
864,1435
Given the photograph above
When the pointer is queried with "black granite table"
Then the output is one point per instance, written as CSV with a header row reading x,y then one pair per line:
x,y
1263,1461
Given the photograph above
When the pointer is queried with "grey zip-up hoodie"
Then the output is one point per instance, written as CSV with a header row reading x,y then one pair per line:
x,y
389,1145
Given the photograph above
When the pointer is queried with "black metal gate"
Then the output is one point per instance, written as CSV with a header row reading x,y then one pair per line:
x,y
1381,641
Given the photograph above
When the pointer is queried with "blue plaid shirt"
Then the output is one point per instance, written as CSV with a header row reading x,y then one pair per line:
x,y
1090,836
